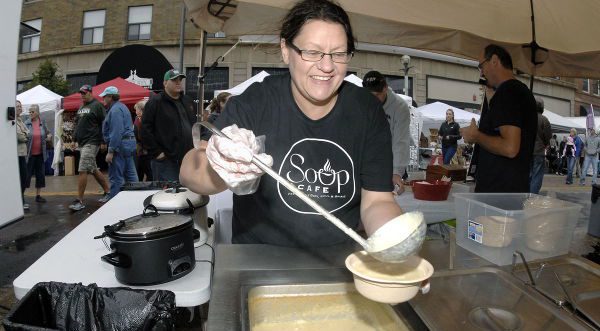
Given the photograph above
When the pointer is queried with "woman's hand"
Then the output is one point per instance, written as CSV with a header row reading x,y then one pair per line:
x,y
232,157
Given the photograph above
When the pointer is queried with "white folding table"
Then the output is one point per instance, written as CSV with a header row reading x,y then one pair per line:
x,y
76,258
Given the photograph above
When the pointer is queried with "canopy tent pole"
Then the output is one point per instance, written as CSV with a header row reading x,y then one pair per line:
x,y
182,37
203,74
200,98
534,47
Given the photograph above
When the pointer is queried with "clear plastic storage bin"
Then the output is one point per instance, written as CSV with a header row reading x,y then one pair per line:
x,y
494,225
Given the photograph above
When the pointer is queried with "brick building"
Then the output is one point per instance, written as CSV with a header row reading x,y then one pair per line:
x,y
80,35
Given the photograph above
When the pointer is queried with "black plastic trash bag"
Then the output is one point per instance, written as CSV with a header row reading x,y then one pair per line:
x,y
60,306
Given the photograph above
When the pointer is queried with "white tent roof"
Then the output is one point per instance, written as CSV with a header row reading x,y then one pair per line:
x,y
581,121
352,78
436,112
237,90
46,99
562,124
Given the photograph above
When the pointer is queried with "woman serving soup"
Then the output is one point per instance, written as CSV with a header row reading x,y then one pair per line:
x,y
328,137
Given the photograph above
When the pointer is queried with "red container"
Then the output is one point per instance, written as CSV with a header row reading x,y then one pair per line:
x,y
431,190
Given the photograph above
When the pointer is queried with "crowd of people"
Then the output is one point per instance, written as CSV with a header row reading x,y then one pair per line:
x,y
574,155
314,122
145,147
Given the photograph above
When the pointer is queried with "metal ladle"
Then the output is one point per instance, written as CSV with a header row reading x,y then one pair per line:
x,y
398,248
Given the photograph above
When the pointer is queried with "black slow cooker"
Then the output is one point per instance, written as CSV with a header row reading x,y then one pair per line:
x,y
151,248
180,200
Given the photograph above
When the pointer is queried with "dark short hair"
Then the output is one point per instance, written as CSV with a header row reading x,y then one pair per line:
x,y
501,53
374,81
307,10
115,97
539,105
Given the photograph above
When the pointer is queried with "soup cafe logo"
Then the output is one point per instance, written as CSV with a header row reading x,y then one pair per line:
x,y
320,168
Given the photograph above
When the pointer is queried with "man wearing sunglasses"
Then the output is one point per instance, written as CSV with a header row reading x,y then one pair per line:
x,y
507,130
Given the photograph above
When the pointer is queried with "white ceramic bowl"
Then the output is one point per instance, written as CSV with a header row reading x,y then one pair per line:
x,y
389,282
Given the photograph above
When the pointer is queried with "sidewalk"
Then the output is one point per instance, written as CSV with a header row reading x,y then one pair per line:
x,y
65,185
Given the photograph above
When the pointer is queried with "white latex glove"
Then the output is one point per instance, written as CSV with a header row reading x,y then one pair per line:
x,y
232,158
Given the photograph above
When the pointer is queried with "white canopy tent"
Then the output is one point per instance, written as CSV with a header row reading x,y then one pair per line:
x,y
50,106
237,90
48,101
581,121
434,114
352,78
560,124
41,96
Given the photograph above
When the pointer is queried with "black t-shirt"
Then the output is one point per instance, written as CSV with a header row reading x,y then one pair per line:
x,y
89,123
452,131
330,159
512,104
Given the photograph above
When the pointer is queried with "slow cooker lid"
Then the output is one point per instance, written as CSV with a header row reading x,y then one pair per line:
x,y
177,198
144,225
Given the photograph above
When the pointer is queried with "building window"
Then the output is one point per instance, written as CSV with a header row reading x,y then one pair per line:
x,y
596,87
586,86
78,80
21,85
139,23
216,79
396,83
93,27
219,34
30,35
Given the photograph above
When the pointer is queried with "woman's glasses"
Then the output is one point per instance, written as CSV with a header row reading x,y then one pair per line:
x,y
316,56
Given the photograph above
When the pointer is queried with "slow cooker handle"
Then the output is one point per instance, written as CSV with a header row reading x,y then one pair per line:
x,y
152,212
117,259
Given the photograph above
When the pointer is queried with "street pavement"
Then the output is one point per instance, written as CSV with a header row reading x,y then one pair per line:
x,y
24,241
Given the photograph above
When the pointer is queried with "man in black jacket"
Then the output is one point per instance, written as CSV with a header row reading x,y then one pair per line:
x,y
167,127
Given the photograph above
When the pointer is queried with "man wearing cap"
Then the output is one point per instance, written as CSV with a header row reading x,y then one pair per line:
x,y
88,136
117,131
167,127
398,115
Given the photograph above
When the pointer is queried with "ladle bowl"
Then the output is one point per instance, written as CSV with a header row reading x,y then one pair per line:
x,y
394,242
404,236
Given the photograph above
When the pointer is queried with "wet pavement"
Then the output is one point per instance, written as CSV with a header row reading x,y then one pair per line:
x,y
26,240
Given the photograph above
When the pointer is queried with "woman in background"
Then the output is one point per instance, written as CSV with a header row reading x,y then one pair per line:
x,y
36,150
142,157
570,153
23,136
449,133
217,105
